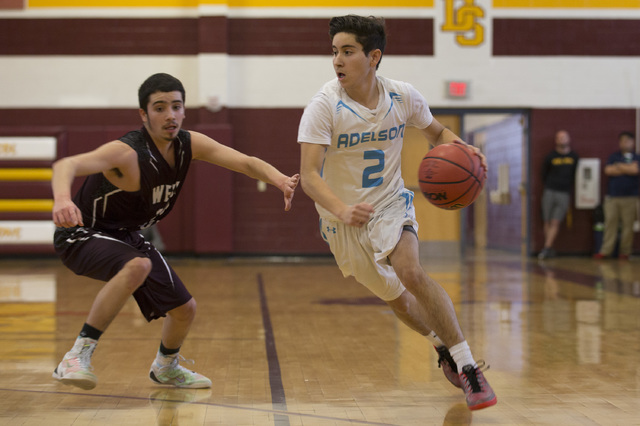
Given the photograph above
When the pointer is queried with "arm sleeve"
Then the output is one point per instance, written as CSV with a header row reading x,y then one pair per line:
x,y
316,124
420,116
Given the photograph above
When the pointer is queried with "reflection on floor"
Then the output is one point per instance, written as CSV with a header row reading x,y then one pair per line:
x,y
294,343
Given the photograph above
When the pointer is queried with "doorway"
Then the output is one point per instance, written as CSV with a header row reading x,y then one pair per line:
x,y
498,219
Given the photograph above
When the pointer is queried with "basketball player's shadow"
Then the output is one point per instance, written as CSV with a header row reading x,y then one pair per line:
x,y
458,415
167,401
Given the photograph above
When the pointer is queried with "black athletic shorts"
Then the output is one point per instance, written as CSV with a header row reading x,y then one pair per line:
x,y
101,255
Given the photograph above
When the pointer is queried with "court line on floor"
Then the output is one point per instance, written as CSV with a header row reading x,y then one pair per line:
x,y
278,398
209,404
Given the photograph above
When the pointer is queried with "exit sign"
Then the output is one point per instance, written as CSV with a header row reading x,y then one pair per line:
x,y
457,89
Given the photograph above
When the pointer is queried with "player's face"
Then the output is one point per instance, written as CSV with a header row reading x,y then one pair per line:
x,y
165,112
353,68
627,144
562,142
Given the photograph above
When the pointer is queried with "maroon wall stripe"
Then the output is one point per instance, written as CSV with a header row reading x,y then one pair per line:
x,y
21,249
25,190
25,216
189,36
311,37
98,37
410,37
278,36
11,4
212,33
224,212
567,37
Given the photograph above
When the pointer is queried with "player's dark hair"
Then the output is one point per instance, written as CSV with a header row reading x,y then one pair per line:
x,y
369,31
160,82
627,134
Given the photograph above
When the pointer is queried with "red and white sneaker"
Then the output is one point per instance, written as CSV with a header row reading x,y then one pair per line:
x,y
476,388
448,365
75,368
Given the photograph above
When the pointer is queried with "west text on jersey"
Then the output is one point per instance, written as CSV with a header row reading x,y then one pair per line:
x,y
163,193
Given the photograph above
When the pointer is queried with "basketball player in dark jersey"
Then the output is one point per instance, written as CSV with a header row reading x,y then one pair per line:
x,y
131,184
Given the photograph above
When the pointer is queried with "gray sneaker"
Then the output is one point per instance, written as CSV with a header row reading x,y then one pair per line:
x,y
176,375
546,253
75,368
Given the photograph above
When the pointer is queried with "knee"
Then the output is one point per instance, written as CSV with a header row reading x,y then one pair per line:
x,y
137,270
412,277
184,313
402,305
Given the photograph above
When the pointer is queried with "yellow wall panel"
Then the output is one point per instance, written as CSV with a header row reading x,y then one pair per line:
x,y
25,174
230,3
37,205
435,224
609,4
330,3
118,3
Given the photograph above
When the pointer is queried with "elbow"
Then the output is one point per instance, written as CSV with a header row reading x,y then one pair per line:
x,y
307,182
56,164
304,183
61,164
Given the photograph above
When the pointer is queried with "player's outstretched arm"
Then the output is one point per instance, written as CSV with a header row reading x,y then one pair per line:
x,y
206,149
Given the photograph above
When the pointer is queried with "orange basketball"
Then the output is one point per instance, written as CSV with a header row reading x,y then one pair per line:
x,y
451,176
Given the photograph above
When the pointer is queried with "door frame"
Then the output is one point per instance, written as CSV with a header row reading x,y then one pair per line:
x,y
465,241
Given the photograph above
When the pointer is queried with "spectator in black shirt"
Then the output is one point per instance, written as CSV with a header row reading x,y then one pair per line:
x,y
558,175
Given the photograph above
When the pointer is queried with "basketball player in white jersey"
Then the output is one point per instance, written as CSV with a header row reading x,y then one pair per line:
x,y
351,137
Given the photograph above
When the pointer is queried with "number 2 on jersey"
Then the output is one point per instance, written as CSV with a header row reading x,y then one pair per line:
x,y
367,180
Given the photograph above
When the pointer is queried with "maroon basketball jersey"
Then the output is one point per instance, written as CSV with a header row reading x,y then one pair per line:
x,y
106,207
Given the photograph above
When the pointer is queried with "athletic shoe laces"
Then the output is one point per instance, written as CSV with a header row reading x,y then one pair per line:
x,y
471,376
175,363
84,356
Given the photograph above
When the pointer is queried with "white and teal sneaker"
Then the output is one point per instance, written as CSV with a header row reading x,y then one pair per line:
x,y
166,370
75,368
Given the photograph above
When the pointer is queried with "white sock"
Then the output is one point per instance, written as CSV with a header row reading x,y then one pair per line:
x,y
461,354
434,339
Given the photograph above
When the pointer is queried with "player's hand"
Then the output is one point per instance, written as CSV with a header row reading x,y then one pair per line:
x,y
476,151
66,214
357,215
289,188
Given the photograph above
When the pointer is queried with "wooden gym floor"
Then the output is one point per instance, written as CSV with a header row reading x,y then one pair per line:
x,y
291,342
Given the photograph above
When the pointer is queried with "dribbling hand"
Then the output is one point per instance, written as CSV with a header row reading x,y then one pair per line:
x,y
476,151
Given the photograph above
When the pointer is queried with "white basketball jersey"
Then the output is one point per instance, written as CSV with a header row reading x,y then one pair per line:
x,y
362,161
